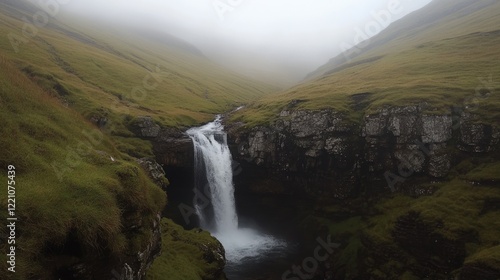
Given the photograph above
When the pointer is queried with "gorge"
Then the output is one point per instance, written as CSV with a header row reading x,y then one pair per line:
x,y
322,171
381,164
213,174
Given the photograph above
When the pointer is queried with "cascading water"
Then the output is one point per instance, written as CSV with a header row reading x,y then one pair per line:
x,y
213,170
214,179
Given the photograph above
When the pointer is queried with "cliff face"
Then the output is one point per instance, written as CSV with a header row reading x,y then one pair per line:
x,y
328,154
340,170
325,152
136,265
349,168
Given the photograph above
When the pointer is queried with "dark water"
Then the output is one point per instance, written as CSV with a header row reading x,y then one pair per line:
x,y
268,265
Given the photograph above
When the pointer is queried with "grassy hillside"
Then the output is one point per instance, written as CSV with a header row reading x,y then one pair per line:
x,y
458,212
79,191
103,72
73,188
438,20
190,254
444,55
451,62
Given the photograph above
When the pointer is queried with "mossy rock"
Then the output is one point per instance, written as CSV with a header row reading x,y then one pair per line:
x,y
193,254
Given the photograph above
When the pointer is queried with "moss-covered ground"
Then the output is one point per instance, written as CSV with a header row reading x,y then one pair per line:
x,y
459,211
67,97
185,254
72,184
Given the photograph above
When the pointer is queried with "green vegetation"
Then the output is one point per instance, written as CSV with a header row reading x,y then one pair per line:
x,y
443,65
79,190
486,172
67,98
97,73
186,254
457,211
72,185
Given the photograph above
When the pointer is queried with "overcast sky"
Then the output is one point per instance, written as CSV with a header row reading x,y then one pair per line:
x,y
270,38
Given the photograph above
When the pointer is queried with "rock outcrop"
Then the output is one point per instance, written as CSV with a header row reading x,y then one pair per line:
x,y
132,266
145,127
477,137
174,148
326,152
155,172
136,265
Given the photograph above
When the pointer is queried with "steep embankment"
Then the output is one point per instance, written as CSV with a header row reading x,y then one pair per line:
x,y
83,207
438,20
398,149
72,101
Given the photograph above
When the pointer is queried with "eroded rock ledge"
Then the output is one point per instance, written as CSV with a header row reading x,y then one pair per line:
x,y
325,153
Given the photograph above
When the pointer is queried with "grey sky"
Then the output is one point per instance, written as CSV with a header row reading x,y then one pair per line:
x,y
276,39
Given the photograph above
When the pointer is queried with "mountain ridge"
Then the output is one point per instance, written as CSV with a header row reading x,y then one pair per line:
x,y
425,18
425,66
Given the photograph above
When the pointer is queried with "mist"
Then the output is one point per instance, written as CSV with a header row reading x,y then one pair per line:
x,y
278,41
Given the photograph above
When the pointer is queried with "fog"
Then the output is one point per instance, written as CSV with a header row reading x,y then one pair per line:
x,y
279,41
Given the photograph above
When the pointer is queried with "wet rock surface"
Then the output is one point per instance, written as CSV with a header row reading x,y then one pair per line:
x,y
325,152
174,148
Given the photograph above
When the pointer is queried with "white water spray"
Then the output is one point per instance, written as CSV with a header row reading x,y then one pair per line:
x,y
213,162
214,177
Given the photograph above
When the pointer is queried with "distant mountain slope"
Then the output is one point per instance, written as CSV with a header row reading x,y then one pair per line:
x,y
441,54
169,40
439,20
104,72
72,95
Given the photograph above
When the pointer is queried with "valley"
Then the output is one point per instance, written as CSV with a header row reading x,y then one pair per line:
x,y
386,158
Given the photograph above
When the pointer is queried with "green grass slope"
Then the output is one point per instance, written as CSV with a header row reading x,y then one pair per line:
x,y
445,55
447,63
79,191
439,20
75,193
103,74
123,74
373,243
193,255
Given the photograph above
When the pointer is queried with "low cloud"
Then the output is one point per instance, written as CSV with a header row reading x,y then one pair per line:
x,y
279,40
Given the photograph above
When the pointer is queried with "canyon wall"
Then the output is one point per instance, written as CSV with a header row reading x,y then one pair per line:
x,y
325,152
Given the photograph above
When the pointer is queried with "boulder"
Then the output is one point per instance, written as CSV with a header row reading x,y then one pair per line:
x,y
155,172
145,127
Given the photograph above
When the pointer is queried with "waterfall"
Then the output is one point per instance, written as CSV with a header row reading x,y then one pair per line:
x,y
214,177
217,211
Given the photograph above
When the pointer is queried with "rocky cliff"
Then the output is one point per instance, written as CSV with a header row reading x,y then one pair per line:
x,y
377,184
330,154
375,181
